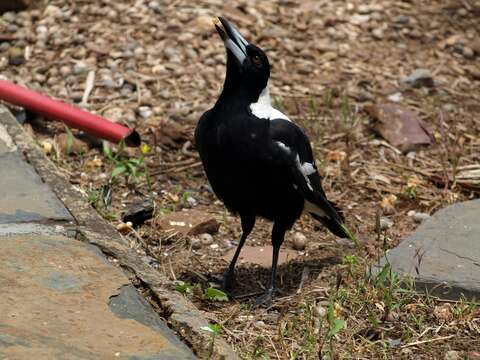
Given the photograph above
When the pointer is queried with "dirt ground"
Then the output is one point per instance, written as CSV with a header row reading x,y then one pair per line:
x,y
158,66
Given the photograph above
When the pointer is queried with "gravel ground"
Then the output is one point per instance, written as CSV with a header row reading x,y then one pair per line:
x,y
157,66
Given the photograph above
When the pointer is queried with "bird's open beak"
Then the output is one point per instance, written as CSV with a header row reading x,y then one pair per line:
x,y
232,39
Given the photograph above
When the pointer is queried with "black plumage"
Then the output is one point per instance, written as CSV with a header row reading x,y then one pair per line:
x,y
257,161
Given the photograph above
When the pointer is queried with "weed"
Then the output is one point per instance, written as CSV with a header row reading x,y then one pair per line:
x,y
132,168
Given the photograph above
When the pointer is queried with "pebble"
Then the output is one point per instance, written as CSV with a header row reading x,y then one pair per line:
x,y
16,56
377,33
385,223
206,239
420,217
468,52
396,97
80,68
419,78
196,243
299,241
145,112
65,70
452,355
402,19
192,201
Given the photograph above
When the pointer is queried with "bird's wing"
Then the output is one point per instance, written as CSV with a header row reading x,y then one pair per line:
x,y
291,148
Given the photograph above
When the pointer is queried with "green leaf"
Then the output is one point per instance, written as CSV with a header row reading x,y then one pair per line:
x,y
382,275
107,151
69,143
183,287
213,294
336,327
118,170
215,329
132,169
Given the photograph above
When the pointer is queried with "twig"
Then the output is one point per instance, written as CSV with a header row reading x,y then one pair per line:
x,y
89,84
427,341
305,273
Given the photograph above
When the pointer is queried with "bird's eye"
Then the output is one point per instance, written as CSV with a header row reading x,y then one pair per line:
x,y
256,60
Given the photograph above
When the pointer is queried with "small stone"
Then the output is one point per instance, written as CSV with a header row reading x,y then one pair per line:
x,y
419,78
124,228
65,70
320,311
214,246
47,146
358,19
299,241
205,239
462,12
196,244
396,97
16,56
452,355
145,112
468,53
420,217
80,68
402,19
448,107
364,9
377,33
385,223
192,201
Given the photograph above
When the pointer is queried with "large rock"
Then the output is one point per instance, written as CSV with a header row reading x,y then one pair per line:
x,y
61,299
443,254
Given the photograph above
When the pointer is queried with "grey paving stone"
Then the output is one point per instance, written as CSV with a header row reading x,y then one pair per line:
x,y
23,195
443,254
6,143
61,299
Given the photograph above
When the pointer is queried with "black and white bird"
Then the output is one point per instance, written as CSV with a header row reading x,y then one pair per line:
x,y
257,161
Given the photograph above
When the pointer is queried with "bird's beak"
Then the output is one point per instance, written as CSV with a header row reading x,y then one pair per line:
x,y
232,39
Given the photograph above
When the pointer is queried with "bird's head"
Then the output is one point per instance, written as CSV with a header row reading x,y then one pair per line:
x,y
247,65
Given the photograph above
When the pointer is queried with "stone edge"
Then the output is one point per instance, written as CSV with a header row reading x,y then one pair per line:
x,y
181,315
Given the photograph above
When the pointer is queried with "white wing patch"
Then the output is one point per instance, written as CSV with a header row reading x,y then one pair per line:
x,y
263,108
306,168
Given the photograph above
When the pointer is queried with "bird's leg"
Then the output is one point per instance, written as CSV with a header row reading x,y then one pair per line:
x,y
278,235
248,222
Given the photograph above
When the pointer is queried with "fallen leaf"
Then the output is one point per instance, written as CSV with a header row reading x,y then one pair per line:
x,y
401,127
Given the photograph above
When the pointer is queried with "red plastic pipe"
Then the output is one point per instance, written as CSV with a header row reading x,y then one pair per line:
x,y
72,116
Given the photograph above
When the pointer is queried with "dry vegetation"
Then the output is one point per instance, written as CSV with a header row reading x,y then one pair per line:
x,y
159,65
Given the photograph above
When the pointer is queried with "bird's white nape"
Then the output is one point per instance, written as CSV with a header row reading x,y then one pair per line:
x,y
263,108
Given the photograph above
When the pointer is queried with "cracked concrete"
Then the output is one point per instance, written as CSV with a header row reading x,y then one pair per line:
x,y
443,254
61,298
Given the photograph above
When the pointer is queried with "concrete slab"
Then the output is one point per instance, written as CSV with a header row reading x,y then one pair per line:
x,y
443,254
62,300
6,142
24,197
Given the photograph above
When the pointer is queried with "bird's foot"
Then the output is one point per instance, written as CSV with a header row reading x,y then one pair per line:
x,y
228,280
265,299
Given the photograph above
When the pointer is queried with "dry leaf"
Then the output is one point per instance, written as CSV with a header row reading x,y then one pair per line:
x,y
443,312
336,156
388,204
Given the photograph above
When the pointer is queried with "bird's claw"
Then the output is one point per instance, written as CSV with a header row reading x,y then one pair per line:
x,y
265,299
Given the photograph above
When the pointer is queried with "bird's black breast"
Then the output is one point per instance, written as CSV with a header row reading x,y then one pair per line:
x,y
235,149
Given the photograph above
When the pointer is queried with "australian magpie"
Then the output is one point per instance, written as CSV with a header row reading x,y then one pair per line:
x,y
257,161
